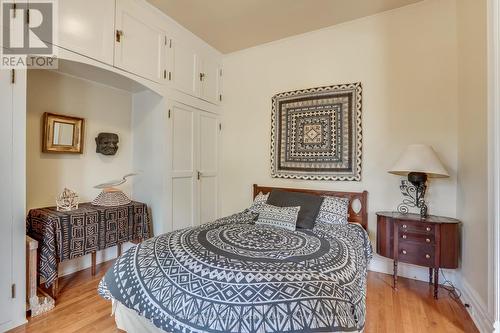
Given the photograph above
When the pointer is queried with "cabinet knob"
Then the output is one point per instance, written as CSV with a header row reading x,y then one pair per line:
x,y
202,76
428,228
427,240
404,236
119,34
427,256
405,226
403,252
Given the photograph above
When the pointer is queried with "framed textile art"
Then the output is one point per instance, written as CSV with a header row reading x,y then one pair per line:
x,y
316,133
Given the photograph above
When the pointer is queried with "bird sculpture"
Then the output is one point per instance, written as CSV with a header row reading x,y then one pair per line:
x,y
110,196
116,182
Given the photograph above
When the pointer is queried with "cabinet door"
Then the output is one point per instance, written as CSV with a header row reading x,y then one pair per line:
x,y
139,42
183,63
210,80
184,189
87,27
208,166
6,212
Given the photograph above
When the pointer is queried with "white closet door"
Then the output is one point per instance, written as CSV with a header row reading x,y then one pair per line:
x,y
6,213
208,166
87,27
140,43
184,189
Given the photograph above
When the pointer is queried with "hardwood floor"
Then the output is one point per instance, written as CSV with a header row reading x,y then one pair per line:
x,y
411,309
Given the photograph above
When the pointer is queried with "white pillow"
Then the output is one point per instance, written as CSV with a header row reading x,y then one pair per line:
x,y
282,217
259,200
333,210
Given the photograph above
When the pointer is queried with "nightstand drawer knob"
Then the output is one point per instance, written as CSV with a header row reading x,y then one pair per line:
x,y
405,226
404,252
405,237
428,240
428,228
427,256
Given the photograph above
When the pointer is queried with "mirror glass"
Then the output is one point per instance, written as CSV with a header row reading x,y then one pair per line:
x,y
63,134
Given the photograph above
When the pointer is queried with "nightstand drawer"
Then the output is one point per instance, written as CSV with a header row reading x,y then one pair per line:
x,y
417,254
419,227
421,238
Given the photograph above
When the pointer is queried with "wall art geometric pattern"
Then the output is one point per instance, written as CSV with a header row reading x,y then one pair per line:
x,y
316,133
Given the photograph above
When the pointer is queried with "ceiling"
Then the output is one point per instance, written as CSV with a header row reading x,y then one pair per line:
x,y
231,25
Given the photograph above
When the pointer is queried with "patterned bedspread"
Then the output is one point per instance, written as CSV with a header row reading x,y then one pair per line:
x,y
234,276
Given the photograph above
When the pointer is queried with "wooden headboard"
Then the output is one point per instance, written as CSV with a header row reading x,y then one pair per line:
x,y
360,217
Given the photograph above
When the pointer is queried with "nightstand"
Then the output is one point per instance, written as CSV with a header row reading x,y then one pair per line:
x,y
433,242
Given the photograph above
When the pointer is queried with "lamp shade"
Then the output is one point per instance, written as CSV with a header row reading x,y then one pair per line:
x,y
419,158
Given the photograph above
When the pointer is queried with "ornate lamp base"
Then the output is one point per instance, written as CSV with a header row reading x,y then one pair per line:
x,y
413,191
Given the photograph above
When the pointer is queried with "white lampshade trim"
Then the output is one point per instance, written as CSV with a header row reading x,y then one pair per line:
x,y
419,158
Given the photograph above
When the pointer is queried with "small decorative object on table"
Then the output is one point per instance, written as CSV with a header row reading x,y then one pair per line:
x,y
111,196
418,163
433,242
67,201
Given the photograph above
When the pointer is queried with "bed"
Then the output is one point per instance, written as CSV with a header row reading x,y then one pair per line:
x,y
233,275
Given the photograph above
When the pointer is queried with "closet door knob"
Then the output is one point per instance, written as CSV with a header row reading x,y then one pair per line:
x,y
427,256
404,252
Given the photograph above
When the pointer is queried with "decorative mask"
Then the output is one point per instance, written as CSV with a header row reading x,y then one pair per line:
x,y
107,143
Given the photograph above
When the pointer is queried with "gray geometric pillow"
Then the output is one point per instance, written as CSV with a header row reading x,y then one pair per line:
x,y
333,210
259,200
282,217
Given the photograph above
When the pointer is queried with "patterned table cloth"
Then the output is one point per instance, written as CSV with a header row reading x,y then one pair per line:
x,y
232,275
68,235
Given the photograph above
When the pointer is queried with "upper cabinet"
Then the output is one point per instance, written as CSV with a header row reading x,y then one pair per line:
x,y
140,43
182,67
133,36
87,27
193,73
210,77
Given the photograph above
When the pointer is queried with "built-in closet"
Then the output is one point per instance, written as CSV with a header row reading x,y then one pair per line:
x,y
175,82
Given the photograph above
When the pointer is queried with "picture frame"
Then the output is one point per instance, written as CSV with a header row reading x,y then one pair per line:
x,y
62,134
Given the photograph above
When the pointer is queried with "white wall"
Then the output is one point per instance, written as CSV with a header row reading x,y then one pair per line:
x,y
406,60
472,194
105,109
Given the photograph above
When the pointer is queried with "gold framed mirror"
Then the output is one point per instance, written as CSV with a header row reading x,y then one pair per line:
x,y
62,134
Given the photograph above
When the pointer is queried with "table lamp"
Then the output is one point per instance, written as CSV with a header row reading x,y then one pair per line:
x,y
418,162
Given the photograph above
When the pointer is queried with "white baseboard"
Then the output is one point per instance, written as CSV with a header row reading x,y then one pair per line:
x,y
477,309
12,324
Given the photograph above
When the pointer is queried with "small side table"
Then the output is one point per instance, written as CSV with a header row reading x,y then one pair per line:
x,y
432,242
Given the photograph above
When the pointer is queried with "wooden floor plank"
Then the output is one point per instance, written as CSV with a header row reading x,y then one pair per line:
x,y
410,309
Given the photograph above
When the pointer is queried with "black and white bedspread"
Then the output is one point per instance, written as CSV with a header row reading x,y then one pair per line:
x,y
234,276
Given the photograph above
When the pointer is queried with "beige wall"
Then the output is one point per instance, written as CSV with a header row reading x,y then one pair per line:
x,y
406,60
472,197
105,109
